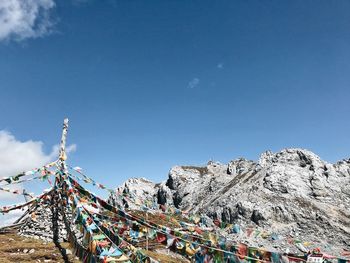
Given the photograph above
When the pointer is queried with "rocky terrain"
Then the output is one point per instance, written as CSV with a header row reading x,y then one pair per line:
x,y
14,248
291,200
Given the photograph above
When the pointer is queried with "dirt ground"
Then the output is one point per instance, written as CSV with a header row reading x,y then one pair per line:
x,y
17,249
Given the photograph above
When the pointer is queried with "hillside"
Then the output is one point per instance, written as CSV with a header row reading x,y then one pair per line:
x,y
290,200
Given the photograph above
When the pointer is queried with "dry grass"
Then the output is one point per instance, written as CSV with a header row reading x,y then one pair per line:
x,y
202,170
158,250
12,246
163,257
167,220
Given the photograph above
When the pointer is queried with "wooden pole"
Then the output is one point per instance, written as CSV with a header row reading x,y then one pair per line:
x,y
63,156
56,201
147,231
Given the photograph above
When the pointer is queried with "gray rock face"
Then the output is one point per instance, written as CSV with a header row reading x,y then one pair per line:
x,y
138,187
43,223
292,193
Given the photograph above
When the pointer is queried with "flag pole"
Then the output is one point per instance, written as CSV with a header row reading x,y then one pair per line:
x,y
147,231
62,154
56,202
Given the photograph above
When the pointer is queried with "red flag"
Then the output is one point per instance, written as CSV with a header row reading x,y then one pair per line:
x,y
163,207
161,237
162,216
242,251
249,231
217,222
198,230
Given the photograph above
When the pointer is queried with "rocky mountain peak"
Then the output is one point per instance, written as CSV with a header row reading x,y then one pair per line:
x,y
290,156
292,192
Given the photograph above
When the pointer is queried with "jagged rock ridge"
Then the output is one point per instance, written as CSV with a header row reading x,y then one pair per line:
x,y
293,193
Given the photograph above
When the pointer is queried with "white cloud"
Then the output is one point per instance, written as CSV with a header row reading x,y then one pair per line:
x,y
11,217
17,156
220,65
22,19
193,83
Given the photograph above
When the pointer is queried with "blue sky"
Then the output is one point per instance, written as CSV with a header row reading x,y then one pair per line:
x,y
152,84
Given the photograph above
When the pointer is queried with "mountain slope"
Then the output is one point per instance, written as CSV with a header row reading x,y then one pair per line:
x,y
292,193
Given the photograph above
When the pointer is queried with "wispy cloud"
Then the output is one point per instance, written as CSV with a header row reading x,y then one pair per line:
x,y
23,19
220,65
193,83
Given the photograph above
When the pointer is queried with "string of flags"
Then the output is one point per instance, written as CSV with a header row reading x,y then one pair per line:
x,y
89,180
44,175
16,191
93,237
6,209
15,178
12,180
